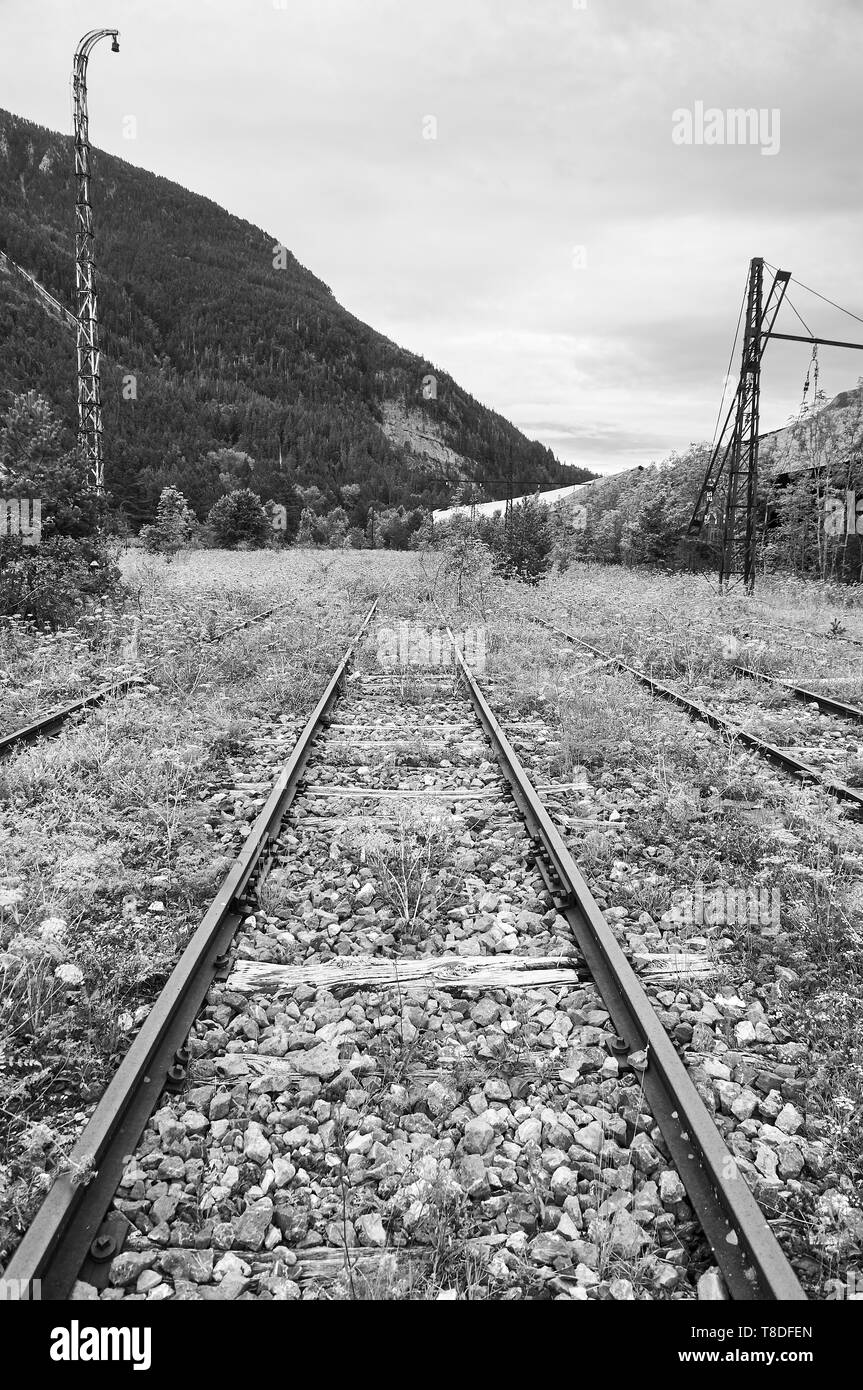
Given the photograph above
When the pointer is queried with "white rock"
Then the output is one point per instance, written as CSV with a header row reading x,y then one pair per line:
x,y
711,1287
529,1130
256,1146
283,1170
359,1143
371,1229
231,1264
789,1119
745,1105
83,1292
478,1136
621,1290
566,1227
766,1161
591,1137
671,1189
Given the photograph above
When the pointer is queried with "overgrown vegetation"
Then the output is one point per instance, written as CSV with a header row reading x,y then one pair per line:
x,y
238,518
697,808
91,924
412,864
49,578
640,517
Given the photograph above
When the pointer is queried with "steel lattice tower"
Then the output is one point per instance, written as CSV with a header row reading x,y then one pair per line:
x,y
89,383
733,469
738,537
730,487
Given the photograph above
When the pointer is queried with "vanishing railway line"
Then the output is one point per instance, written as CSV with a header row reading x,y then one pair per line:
x,y
801,692
47,724
800,631
402,986
781,756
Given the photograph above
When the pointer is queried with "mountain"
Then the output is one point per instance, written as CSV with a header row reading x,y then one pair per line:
x,y
826,437
215,339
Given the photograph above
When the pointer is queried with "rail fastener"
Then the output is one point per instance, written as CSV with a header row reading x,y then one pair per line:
x,y
695,710
746,1251
55,1246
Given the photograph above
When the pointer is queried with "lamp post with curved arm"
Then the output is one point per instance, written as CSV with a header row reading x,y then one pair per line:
x,y
89,384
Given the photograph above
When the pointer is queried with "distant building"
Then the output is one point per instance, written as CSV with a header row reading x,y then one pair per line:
x,y
577,493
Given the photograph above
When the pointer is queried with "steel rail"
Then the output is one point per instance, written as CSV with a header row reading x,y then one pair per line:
x,y
778,756
51,723
806,632
746,1251
825,702
56,1245
247,622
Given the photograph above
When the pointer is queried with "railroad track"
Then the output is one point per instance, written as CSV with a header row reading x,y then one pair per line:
x,y
800,631
780,756
247,1121
802,692
52,723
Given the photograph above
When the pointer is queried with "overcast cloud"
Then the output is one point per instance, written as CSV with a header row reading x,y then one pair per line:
x,y
554,131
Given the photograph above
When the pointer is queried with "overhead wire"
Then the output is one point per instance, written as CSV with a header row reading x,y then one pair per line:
x,y
823,297
800,316
730,363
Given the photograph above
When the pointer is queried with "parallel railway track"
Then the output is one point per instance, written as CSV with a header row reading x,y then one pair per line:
x,y
238,954
810,697
771,752
52,723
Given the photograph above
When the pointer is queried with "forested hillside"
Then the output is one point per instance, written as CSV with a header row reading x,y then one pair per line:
x,y
216,339
641,516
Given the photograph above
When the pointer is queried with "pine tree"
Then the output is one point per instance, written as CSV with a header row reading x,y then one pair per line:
x,y
523,544
174,525
35,464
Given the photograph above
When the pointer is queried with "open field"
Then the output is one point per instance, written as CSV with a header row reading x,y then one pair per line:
x,y
115,834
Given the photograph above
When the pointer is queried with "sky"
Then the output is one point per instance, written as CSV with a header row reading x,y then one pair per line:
x,y
521,191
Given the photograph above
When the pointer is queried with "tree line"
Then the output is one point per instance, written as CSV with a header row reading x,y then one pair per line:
x,y
216,339
808,469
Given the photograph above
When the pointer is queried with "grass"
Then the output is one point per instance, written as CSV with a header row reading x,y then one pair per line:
x,y
116,814
113,817
411,862
698,808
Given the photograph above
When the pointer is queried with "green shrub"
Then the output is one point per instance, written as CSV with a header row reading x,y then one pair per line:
x,y
239,517
522,544
50,584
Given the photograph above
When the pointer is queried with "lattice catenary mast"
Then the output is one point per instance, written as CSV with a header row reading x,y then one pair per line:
x,y
735,457
89,384
725,512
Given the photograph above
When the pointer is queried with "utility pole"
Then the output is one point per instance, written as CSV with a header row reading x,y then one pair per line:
x,y
738,536
734,461
89,382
